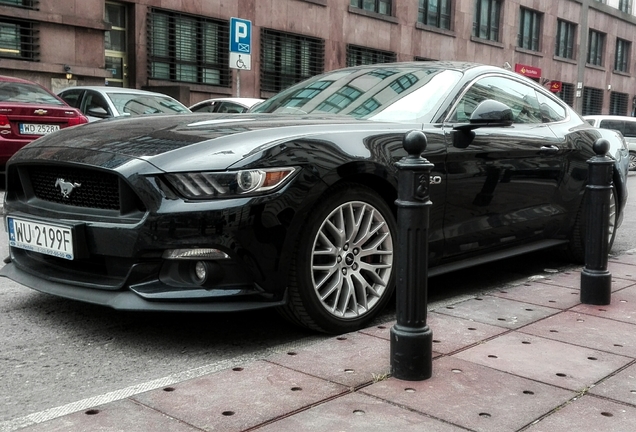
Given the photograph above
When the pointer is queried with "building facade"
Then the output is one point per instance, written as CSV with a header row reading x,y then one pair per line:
x,y
581,49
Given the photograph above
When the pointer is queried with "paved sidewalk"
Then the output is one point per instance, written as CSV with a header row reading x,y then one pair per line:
x,y
527,358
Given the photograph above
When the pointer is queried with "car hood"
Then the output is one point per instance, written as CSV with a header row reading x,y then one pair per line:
x,y
187,141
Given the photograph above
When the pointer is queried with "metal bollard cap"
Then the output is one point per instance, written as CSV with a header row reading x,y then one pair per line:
x,y
415,142
601,146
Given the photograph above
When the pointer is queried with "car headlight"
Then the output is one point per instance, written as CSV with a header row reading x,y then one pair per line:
x,y
206,185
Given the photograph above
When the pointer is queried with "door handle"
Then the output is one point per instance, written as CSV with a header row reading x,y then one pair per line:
x,y
549,149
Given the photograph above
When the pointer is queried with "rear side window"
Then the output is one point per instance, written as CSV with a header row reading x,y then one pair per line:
x,y
630,129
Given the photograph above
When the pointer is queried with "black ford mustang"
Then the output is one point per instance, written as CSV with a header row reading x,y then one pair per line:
x,y
292,205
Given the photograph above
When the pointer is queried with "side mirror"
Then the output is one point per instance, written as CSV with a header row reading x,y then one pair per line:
x,y
489,113
98,112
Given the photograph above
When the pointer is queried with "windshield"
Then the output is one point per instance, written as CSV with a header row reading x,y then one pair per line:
x,y
136,104
26,93
405,94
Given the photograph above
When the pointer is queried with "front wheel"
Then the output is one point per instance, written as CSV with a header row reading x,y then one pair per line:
x,y
341,275
632,161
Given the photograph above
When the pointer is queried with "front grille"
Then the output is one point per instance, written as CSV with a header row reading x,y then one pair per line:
x,y
92,188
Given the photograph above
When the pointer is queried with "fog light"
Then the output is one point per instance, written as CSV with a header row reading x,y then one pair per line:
x,y
197,253
200,272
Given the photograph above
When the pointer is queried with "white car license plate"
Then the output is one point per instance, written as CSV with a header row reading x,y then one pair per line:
x,y
41,237
37,129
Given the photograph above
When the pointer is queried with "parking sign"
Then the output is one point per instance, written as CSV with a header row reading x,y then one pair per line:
x,y
240,44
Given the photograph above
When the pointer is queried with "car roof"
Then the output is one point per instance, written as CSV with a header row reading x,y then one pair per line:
x,y
107,89
16,79
238,100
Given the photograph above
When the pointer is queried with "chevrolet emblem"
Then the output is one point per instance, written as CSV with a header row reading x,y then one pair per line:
x,y
40,111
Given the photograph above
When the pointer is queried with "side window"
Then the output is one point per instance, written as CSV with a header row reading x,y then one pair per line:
x,y
72,97
630,129
551,111
520,98
613,124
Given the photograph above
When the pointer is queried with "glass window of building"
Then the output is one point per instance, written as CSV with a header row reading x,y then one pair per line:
x,y
360,56
529,29
592,101
379,6
188,48
566,94
595,47
486,19
28,4
621,57
625,6
289,58
566,35
435,13
618,103
18,39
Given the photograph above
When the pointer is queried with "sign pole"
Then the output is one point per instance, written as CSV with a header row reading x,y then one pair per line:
x,y
238,83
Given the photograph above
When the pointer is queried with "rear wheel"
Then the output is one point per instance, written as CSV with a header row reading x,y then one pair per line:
x,y
341,275
632,161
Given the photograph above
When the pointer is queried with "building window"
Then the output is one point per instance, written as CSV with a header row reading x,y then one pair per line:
x,y
435,13
360,56
378,6
19,39
592,101
529,29
486,21
618,103
595,45
27,4
566,94
621,58
188,48
625,6
566,33
288,58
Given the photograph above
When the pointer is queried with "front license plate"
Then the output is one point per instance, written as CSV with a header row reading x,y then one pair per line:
x,y
41,237
37,129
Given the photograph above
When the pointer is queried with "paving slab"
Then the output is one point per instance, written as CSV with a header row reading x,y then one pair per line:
x,y
498,311
381,331
589,331
359,413
240,398
620,387
352,360
451,333
123,415
552,362
589,413
625,258
553,296
473,396
622,270
621,308
572,279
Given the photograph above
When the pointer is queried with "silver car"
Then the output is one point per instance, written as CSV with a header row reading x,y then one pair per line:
x,y
623,124
100,102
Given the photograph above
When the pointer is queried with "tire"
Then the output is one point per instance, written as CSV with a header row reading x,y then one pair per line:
x,y
341,274
632,161
576,246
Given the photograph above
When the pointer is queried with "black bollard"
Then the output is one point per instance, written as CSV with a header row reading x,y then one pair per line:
x,y
411,339
596,281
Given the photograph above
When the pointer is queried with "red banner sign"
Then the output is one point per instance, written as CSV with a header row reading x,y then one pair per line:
x,y
555,86
529,71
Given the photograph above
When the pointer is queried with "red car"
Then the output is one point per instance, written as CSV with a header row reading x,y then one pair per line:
x,y
28,111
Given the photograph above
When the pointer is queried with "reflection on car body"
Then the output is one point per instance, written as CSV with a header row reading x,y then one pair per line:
x,y
292,205
100,102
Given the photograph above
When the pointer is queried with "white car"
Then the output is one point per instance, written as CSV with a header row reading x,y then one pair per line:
x,y
225,105
623,124
100,102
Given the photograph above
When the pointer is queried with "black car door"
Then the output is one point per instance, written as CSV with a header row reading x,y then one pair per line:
x,y
503,186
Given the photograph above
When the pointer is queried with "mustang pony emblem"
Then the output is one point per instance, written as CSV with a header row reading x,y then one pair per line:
x,y
66,187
